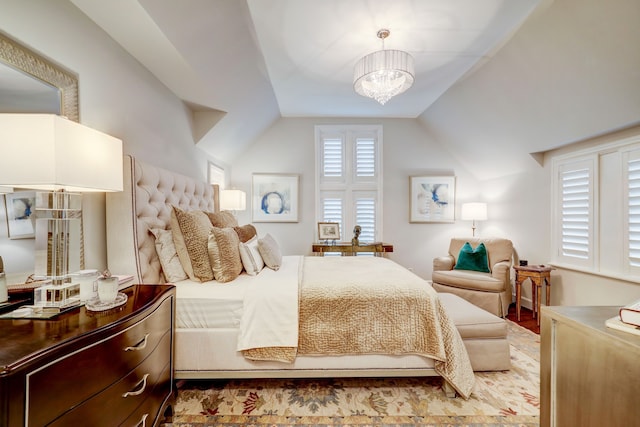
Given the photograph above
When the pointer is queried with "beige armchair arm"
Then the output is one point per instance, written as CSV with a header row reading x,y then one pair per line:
x,y
502,270
443,263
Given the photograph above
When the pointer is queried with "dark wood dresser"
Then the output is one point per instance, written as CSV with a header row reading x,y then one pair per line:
x,y
85,368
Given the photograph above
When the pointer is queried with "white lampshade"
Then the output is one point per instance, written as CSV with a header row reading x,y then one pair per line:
x,y
49,152
62,158
233,200
474,211
383,74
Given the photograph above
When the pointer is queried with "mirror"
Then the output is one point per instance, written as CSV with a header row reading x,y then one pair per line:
x,y
30,83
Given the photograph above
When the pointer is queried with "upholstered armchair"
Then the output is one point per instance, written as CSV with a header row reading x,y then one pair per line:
x,y
489,289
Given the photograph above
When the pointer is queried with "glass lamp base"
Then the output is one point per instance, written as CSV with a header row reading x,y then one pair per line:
x,y
60,296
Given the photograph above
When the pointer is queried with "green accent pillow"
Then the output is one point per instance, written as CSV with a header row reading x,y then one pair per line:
x,y
473,259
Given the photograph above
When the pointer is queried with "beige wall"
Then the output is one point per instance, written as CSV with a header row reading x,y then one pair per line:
x,y
117,96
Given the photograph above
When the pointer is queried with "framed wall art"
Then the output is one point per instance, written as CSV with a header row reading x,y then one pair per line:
x,y
432,198
21,221
328,231
274,197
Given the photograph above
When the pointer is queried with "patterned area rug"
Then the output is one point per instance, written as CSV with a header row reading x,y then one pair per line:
x,y
509,398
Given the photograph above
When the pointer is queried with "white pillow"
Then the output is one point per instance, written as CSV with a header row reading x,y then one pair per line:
x,y
250,255
270,251
166,250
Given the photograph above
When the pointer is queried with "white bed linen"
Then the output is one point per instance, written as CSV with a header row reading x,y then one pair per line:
x,y
271,307
210,304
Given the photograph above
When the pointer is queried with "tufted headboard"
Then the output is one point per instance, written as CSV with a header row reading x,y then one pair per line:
x,y
144,204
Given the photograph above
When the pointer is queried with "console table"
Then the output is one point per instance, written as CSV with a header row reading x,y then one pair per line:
x,y
379,249
101,368
588,372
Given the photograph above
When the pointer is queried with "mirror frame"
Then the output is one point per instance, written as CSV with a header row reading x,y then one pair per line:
x,y
26,60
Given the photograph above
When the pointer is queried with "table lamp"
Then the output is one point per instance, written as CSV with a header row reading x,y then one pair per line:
x,y
474,212
61,159
233,200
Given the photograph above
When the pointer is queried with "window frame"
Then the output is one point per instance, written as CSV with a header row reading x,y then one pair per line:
x,y
345,186
610,212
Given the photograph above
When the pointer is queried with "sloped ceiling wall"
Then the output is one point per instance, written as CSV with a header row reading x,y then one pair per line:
x,y
571,72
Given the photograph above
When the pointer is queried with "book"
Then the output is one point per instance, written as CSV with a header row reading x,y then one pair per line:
x,y
124,281
631,313
615,323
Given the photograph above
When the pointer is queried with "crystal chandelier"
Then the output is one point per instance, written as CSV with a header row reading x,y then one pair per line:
x,y
383,74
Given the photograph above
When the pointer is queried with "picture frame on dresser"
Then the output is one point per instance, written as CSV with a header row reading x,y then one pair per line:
x,y
329,231
274,197
432,199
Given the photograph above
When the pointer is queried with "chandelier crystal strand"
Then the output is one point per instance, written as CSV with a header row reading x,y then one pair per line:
x,y
383,74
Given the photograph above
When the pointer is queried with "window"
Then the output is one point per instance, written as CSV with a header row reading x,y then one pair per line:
x,y
349,179
596,220
216,175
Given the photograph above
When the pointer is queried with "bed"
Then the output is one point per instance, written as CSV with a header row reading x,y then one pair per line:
x,y
217,341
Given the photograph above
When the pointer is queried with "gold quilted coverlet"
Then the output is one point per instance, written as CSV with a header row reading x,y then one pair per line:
x,y
367,305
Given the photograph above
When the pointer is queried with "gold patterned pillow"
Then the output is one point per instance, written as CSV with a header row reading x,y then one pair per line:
x,y
246,232
195,228
222,219
224,254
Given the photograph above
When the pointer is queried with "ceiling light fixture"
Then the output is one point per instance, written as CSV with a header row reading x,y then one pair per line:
x,y
383,74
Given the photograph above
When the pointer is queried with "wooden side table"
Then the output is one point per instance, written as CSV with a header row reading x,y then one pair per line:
x,y
537,274
346,248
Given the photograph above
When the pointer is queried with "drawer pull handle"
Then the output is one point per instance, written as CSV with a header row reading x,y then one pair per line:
x,y
143,421
140,346
142,383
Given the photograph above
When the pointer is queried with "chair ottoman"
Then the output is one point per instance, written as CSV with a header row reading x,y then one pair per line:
x,y
483,334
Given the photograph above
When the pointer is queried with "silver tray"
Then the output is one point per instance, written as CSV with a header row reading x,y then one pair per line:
x,y
97,305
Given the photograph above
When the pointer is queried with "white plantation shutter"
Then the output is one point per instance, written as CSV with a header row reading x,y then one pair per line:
x,y
349,179
365,210
596,216
332,157
365,157
332,211
633,209
575,217
576,211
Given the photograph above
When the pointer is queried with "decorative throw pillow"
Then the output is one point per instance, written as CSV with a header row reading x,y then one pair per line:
x,y
168,256
246,232
195,228
270,252
222,219
181,248
473,259
224,254
250,255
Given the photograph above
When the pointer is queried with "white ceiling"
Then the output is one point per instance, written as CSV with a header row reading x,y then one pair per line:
x,y
243,64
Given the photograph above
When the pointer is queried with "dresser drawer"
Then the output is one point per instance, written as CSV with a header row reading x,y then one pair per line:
x,y
74,378
115,404
148,413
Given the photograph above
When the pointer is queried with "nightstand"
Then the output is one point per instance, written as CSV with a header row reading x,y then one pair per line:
x,y
538,274
99,368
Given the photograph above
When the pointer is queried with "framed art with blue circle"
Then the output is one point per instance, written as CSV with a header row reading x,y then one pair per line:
x,y
274,197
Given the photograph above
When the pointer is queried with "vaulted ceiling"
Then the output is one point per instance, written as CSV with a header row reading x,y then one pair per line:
x,y
241,64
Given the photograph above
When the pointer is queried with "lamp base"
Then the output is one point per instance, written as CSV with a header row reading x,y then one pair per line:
x,y
59,296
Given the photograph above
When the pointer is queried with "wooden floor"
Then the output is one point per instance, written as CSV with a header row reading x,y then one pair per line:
x,y
526,318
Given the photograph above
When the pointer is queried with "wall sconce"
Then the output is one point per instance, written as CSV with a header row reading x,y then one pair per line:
x,y
474,212
61,158
233,200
